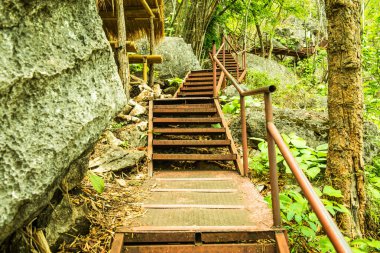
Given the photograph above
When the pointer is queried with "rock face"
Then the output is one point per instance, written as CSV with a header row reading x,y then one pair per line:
x,y
178,57
59,88
311,126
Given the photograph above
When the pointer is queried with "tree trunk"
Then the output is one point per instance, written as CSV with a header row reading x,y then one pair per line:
x,y
345,104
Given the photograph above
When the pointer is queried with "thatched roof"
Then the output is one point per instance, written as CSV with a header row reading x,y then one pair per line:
x,y
136,18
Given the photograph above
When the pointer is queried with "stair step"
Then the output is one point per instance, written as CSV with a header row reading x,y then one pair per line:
x,y
188,120
191,142
197,88
203,93
202,78
189,130
194,157
187,83
184,110
184,106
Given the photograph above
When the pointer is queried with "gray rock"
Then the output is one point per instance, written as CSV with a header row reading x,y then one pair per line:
x,y
178,57
127,109
142,126
171,90
77,171
144,96
116,159
67,221
133,136
111,139
157,90
59,88
138,110
311,126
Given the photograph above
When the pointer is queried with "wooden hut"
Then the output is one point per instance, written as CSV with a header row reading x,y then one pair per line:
x,y
125,21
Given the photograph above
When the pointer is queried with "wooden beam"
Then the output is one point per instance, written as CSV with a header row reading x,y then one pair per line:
x,y
138,58
122,50
147,8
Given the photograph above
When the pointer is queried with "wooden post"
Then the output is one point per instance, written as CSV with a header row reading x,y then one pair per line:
x,y
145,69
214,68
152,45
121,47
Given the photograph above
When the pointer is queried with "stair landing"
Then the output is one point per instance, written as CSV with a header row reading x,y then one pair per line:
x,y
202,208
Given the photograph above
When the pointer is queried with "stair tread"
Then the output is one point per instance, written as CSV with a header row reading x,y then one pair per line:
x,y
194,157
191,142
197,88
184,110
188,120
191,93
189,130
208,105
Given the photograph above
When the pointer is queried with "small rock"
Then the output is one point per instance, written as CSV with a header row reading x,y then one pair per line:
x,y
127,109
66,222
157,90
138,110
121,182
132,103
117,159
166,96
142,126
171,90
133,135
144,86
128,118
111,139
144,96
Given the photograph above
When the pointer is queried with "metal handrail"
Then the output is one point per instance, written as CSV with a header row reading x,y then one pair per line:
x,y
273,138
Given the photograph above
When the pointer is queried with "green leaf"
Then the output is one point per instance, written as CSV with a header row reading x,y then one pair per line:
x,y
96,182
313,172
322,147
374,244
286,138
216,125
330,191
306,231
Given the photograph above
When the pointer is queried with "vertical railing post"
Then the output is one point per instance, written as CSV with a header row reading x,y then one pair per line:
x,y
272,163
214,68
244,139
224,50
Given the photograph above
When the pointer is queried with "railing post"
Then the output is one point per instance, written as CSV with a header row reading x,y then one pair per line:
x,y
244,139
272,163
224,50
214,68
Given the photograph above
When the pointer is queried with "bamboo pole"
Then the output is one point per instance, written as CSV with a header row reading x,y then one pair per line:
x,y
121,47
152,50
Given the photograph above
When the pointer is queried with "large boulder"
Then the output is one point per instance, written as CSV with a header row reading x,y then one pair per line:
x,y
178,57
59,88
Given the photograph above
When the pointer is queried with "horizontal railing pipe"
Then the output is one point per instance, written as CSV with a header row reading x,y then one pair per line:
x,y
331,229
262,90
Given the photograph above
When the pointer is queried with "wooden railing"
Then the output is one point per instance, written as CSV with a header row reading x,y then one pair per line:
x,y
273,138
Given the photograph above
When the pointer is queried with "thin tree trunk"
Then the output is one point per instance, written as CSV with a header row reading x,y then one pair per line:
x,y
345,105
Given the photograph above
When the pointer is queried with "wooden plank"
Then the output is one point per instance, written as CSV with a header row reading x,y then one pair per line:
x,y
184,110
189,130
202,78
282,243
191,142
159,237
194,190
187,120
224,229
204,248
194,157
117,243
203,105
197,88
233,148
193,179
189,83
189,93
138,58
150,139
175,206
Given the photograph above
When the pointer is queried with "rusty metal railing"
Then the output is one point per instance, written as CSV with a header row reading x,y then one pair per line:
x,y
273,138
